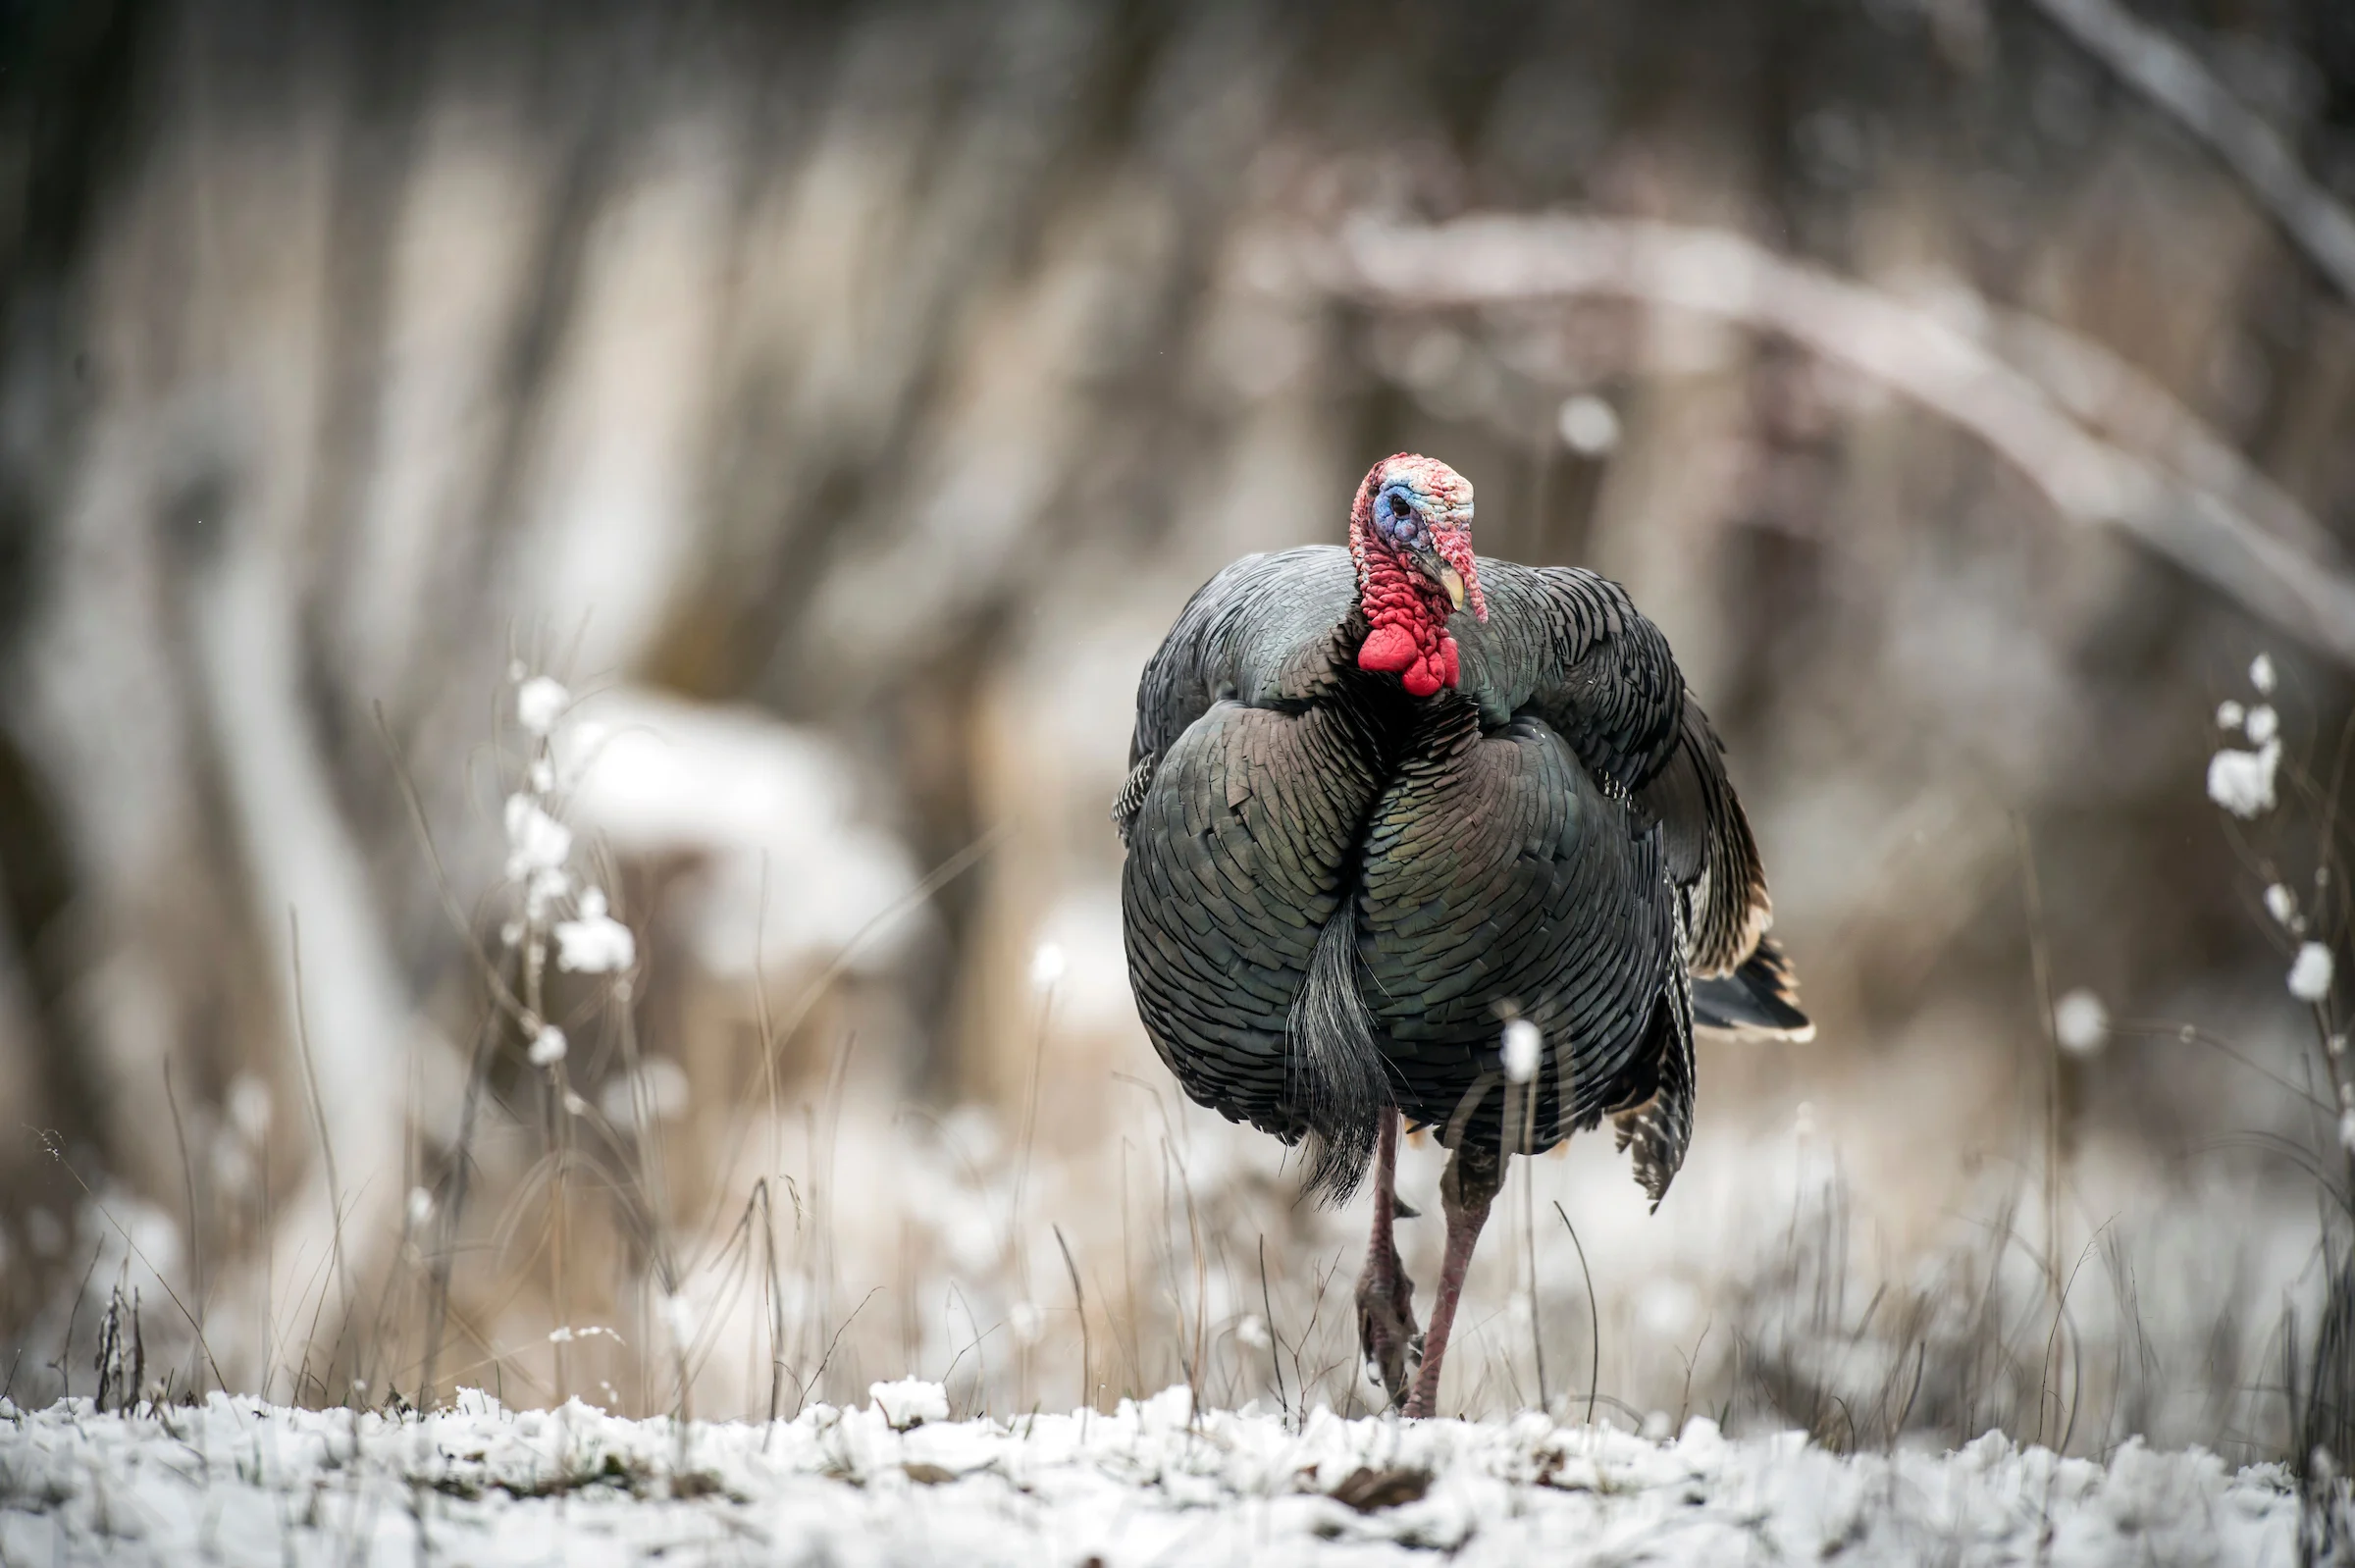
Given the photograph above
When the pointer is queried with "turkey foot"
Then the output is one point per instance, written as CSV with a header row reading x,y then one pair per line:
x,y
1386,1297
1474,1175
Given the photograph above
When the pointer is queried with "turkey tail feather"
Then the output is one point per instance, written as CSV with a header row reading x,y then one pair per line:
x,y
1760,1000
1339,1086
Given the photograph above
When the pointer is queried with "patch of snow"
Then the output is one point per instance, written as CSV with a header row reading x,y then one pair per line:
x,y
2261,673
2262,723
238,1482
2242,782
420,1208
2080,1022
595,943
2282,904
535,841
2309,972
547,1046
909,1402
2231,716
790,864
539,703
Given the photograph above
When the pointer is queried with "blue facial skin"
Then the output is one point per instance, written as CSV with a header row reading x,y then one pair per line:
x,y
1398,515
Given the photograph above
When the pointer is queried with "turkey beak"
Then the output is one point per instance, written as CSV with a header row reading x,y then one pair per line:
x,y
1436,568
1452,581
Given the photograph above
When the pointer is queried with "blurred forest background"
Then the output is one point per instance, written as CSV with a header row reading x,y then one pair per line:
x,y
840,400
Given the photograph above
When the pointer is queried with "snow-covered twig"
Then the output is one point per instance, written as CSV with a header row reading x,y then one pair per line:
x,y
2159,474
2173,78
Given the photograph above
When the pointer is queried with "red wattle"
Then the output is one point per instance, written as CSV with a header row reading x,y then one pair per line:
x,y
1451,671
1422,680
1386,650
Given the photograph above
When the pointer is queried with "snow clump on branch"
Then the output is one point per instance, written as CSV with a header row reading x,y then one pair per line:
x,y
2241,781
2310,974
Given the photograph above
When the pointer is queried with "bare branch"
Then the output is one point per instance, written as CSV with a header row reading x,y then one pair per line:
x,y
2159,473
2173,78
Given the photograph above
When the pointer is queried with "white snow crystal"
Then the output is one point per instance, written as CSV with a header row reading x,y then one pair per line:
x,y
1523,1045
420,1208
2262,723
1047,964
595,943
909,1402
539,703
2261,673
2242,782
1588,425
535,841
2231,716
547,1046
2080,1022
2309,972
1252,1331
2282,904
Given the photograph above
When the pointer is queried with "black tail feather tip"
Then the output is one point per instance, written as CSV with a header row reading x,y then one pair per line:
x,y
1760,1000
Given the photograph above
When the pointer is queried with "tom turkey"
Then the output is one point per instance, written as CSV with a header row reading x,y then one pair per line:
x,y
1417,833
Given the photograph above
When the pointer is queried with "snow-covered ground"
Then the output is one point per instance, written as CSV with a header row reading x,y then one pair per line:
x,y
236,1482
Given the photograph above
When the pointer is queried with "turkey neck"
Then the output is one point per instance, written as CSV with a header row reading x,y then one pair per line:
x,y
1406,616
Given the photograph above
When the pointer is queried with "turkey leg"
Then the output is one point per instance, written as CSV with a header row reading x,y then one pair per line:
x,y
1386,1297
1474,1175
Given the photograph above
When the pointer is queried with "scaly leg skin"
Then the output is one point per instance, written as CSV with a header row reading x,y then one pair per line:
x,y
1474,1175
1386,1297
